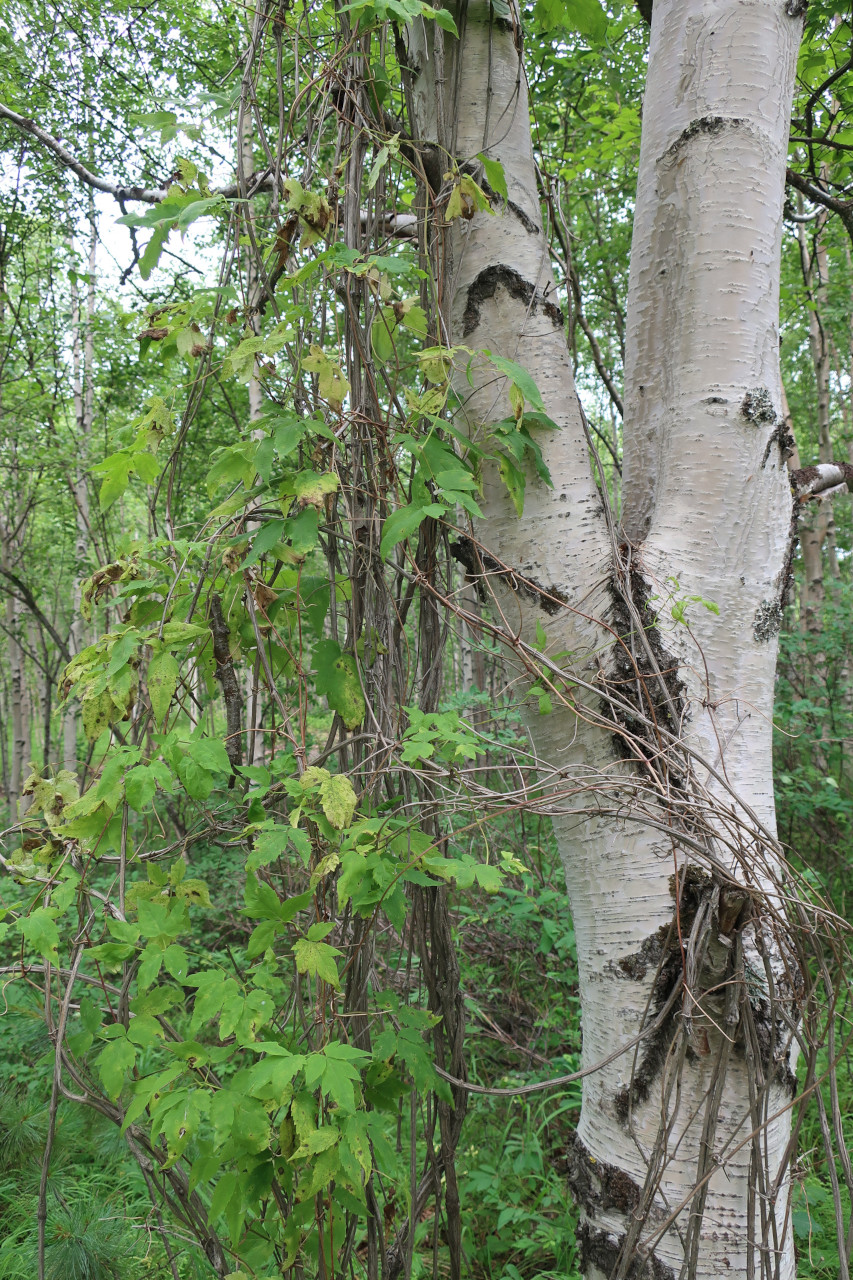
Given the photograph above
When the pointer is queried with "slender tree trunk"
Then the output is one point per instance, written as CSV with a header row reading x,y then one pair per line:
x,y
19,707
811,541
83,389
245,173
667,1178
818,531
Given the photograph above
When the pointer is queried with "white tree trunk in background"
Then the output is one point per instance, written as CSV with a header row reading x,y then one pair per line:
x,y
668,1180
83,387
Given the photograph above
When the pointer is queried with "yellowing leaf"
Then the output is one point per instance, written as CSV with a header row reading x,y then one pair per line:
x,y
339,800
331,382
337,678
97,713
162,683
318,960
312,488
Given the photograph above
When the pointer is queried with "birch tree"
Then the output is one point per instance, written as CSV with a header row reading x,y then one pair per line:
x,y
681,1163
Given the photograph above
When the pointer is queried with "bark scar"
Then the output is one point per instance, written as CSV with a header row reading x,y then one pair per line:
x,y
485,286
712,125
478,564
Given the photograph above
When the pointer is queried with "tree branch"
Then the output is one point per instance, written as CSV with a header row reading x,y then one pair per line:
x,y
147,195
824,480
26,597
844,208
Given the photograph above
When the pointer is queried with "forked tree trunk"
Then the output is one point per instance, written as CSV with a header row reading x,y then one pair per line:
x,y
668,715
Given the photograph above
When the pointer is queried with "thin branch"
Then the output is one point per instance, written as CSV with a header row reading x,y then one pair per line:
x,y
844,208
120,192
26,597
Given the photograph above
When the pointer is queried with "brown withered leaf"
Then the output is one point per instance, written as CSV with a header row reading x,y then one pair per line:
x,y
264,595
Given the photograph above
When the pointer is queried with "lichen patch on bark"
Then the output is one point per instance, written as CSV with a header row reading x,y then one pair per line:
x,y
758,407
767,621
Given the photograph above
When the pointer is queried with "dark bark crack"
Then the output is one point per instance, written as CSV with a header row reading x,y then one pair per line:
x,y
485,286
642,671
712,125
479,565
526,221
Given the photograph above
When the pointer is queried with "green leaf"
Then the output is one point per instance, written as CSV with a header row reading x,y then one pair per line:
x,y
515,481
519,378
226,1190
113,1062
40,931
116,470
266,538
376,167
146,466
139,788
176,962
495,176
210,754
444,20
584,16
302,530
153,249
162,683
197,210
337,678
197,781
155,119
404,521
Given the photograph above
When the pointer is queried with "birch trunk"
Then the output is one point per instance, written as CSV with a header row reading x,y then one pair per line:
x,y
83,390
245,173
691,1058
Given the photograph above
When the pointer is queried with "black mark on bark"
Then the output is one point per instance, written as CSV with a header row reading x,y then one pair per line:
x,y
785,441
597,1185
712,125
479,565
485,287
663,949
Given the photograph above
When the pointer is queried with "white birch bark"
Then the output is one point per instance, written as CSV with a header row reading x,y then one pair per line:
x,y
83,392
666,1176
